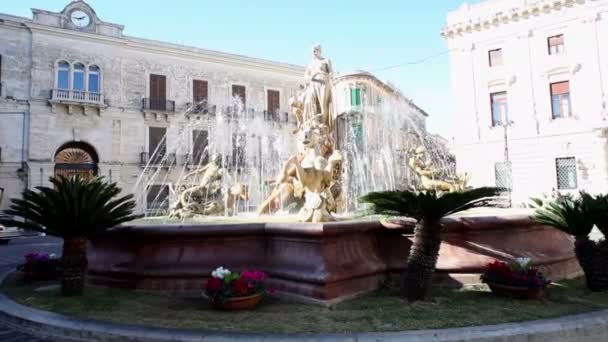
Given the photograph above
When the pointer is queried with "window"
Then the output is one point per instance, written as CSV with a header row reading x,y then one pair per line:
x,y
200,91
238,151
63,75
556,44
200,141
239,93
502,175
157,144
560,100
78,77
273,101
495,57
500,113
358,134
94,79
355,97
566,173
157,198
158,92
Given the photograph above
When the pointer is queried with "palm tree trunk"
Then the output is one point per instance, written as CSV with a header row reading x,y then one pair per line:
x,y
74,266
418,275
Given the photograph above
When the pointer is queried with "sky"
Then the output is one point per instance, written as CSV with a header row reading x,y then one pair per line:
x,y
355,35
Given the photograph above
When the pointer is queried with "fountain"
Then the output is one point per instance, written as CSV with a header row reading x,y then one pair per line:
x,y
277,196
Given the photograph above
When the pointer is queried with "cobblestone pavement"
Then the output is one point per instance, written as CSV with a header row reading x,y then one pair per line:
x,y
11,255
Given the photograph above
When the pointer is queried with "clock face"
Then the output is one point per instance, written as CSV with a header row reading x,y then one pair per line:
x,y
80,18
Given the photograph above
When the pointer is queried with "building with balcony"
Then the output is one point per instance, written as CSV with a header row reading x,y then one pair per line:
x,y
78,95
529,88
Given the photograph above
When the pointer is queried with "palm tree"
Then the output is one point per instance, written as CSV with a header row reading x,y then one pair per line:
x,y
428,208
577,218
75,209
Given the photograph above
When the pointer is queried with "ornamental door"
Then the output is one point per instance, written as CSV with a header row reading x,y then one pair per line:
x,y
76,158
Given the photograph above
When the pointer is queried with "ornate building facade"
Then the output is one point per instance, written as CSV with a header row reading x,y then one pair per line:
x,y
80,96
529,85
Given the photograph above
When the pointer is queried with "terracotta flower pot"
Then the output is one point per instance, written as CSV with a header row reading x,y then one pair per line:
x,y
239,303
518,292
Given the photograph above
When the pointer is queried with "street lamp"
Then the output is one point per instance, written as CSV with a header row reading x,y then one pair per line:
x,y
506,123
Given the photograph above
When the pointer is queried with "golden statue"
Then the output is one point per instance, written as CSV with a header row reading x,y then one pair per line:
x,y
430,175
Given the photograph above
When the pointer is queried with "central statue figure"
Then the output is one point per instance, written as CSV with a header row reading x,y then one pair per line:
x,y
318,93
308,178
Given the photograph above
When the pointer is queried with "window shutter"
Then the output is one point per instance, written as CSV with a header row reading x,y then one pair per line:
x,y
158,87
200,91
273,100
156,140
560,88
355,97
240,92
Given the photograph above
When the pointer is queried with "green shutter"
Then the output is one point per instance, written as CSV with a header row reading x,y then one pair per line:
x,y
355,97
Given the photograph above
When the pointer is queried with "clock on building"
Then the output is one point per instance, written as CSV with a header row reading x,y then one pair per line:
x,y
80,18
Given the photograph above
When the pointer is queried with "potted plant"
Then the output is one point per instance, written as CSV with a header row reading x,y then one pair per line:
x,y
577,216
516,280
39,267
227,290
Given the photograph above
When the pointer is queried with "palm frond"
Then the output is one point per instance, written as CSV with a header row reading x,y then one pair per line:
x,y
73,207
430,205
573,216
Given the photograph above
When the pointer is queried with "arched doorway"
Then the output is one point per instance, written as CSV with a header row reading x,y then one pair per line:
x,y
74,158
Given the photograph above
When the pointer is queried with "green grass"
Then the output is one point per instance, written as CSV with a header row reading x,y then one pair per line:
x,y
381,311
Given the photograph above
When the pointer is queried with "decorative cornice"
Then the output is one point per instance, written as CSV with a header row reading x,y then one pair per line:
x,y
497,18
174,50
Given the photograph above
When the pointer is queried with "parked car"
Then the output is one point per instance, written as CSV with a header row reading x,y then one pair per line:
x,y
8,233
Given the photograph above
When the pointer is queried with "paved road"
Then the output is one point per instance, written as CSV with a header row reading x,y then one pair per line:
x,y
11,255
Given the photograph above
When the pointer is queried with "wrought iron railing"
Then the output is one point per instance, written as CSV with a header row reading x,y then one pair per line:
x,y
77,96
201,108
157,159
276,116
195,159
148,103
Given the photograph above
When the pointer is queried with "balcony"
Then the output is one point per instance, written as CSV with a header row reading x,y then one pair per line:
x,y
276,116
149,104
157,109
201,108
77,99
195,160
157,160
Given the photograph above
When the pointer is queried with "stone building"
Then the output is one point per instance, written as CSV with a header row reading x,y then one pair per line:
x,y
529,85
78,95
377,129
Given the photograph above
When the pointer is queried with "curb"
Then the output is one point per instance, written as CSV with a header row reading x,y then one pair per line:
x,y
590,327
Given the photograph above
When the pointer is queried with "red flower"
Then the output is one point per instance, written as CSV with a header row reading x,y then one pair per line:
x,y
271,290
239,287
214,285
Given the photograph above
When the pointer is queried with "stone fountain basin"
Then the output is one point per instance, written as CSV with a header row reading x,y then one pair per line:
x,y
319,262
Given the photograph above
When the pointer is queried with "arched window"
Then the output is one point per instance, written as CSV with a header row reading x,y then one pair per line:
x,y
76,157
63,75
78,77
94,79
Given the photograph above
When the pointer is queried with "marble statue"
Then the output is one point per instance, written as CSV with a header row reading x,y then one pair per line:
x,y
318,99
430,175
207,196
311,178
